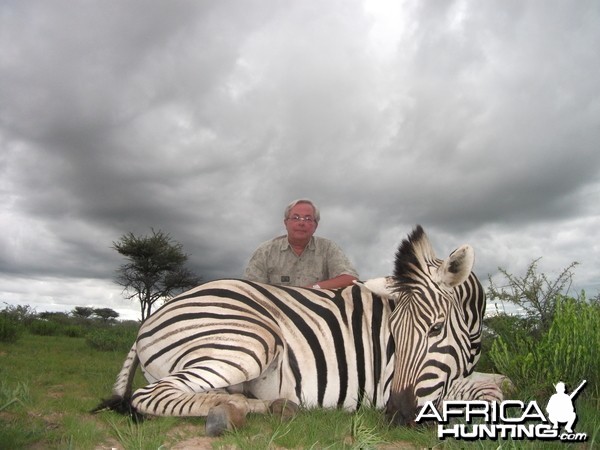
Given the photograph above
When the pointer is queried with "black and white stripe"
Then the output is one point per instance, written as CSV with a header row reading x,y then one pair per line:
x,y
397,342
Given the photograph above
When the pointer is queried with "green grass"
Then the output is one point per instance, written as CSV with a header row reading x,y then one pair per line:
x,y
48,385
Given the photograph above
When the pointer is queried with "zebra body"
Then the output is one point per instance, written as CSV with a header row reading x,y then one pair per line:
x,y
314,347
395,342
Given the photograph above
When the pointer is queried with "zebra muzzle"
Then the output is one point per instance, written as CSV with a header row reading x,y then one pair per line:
x,y
401,408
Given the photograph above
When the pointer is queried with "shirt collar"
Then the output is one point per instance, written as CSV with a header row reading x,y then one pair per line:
x,y
285,244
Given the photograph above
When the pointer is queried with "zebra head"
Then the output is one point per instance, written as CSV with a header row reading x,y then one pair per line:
x,y
435,323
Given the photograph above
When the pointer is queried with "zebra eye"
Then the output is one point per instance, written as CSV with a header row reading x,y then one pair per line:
x,y
436,329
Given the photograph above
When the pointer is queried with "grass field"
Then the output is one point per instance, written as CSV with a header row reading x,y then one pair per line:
x,y
48,385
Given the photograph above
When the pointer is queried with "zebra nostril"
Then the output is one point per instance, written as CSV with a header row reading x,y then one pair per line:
x,y
401,408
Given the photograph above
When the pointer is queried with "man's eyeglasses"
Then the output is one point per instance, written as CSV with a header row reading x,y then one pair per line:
x,y
297,218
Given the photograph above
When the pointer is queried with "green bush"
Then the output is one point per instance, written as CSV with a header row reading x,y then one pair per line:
x,y
10,329
60,327
112,338
22,314
73,331
566,352
42,327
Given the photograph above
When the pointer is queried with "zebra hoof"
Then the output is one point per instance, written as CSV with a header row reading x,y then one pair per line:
x,y
223,417
217,421
284,408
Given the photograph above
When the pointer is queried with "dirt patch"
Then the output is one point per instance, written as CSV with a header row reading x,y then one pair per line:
x,y
51,421
111,444
56,391
197,443
184,437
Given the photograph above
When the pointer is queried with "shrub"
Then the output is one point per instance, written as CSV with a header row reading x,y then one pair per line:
x,y
73,331
57,325
112,338
23,314
42,327
10,329
59,318
566,352
511,328
534,293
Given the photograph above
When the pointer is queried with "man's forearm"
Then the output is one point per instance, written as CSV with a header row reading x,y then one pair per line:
x,y
337,282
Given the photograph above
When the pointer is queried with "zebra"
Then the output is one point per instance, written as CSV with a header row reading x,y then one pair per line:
x,y
229,347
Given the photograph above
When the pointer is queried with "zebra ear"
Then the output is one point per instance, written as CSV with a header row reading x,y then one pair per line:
x,y
457,267
378,286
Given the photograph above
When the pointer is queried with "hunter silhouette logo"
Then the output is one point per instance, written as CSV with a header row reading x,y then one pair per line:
x,y
510,419
560,407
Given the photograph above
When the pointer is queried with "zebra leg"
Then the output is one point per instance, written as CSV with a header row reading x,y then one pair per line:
x,y
478,386
225,416
175,396
170,397
284,408
229,415
198,391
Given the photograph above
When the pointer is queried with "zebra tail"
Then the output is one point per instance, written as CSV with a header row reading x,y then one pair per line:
x,y
120,401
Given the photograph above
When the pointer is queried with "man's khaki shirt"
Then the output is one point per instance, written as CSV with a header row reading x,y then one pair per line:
x,y
275,262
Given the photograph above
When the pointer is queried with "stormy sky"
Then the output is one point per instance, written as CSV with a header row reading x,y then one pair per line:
x,y
203,119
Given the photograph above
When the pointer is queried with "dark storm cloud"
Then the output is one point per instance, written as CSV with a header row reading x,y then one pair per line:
x,y
204,119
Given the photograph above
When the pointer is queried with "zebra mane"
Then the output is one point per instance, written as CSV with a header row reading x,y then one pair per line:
x,y
413,256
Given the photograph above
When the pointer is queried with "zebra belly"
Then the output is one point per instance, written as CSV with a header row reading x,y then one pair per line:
x,y
269,386
316,386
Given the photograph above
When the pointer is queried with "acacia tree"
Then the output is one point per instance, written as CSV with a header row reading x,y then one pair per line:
x,y
83,312
155,269
106,314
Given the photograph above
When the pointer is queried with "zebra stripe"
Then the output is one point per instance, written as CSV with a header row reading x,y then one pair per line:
x,y
414,338
272,320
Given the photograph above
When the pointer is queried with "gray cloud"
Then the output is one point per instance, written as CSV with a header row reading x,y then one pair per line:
x,y
204,119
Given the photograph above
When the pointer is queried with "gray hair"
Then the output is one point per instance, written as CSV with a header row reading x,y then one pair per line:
x,y
302,200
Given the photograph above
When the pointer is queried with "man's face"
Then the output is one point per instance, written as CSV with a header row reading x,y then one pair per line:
x,y
300,223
